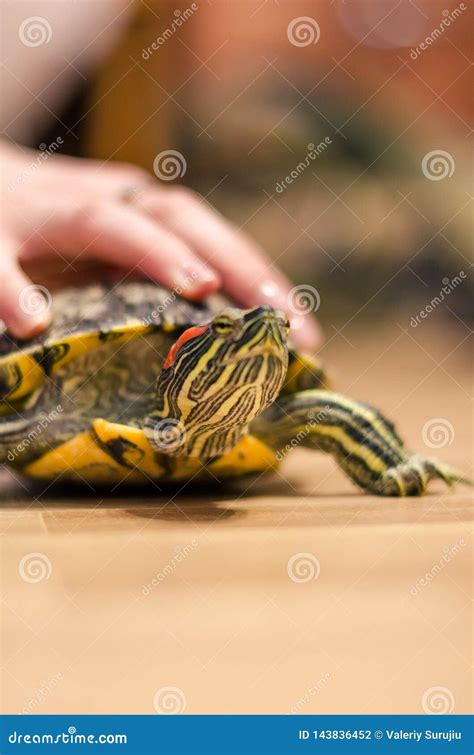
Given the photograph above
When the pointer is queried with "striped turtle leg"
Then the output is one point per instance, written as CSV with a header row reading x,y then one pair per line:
x,y
364,443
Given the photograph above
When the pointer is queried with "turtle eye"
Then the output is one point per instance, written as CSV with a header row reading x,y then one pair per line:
x,y
223,326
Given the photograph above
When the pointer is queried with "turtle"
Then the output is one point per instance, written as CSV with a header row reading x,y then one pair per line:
x,y
132,383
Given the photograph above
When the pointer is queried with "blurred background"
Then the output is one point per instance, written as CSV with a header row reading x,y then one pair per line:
x,y
336,132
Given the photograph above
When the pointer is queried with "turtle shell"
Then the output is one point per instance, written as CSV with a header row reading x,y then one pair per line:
x,y
85,318
72,400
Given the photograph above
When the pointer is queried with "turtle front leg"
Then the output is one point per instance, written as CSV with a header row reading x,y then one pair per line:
x,y
364,444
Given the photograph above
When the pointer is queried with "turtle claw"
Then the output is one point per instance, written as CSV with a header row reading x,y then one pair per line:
x,y
411,477
445,472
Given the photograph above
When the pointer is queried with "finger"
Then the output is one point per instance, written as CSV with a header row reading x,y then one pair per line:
x,y
101,179
24,307
118,234
246,273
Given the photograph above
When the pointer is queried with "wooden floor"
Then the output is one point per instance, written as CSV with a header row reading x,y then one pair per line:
x,y
292,593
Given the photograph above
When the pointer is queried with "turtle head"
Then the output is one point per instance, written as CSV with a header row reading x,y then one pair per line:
x,y
216,379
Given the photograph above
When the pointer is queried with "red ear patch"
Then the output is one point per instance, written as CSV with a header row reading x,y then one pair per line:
x,y
184,338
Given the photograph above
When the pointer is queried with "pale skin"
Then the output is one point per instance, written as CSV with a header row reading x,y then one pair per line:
x,y
75,209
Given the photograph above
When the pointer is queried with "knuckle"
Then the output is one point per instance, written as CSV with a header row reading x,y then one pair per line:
x,y
180,196
168,202
178,200
90,216
130,173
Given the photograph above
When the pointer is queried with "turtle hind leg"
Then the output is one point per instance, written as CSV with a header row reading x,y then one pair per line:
x,y
363,443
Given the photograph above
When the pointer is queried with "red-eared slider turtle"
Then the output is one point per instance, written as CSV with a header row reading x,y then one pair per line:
x,y
133,383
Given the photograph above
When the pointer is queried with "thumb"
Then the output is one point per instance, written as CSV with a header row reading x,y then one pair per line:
x,y
24,307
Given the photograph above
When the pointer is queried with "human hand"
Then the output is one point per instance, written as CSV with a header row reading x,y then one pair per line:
x,y
80,209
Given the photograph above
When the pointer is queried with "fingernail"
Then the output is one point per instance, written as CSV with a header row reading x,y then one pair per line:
x,y
196,279
272,292
30,327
